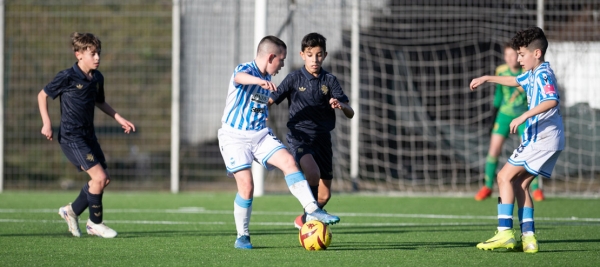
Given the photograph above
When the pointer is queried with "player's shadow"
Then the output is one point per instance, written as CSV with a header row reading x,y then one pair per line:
x,y
37,234
394,229
398,245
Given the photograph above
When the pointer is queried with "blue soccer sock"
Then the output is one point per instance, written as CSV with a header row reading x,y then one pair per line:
x,y
505,216
242,209
526,221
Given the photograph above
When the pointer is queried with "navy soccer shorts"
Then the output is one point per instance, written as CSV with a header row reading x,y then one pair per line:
x,y
319,146
84,154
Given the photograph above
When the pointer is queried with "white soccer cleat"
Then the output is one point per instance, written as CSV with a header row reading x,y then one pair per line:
x,y
100,230
71,218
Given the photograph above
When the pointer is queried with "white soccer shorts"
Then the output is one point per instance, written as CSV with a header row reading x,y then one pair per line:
x,y
536,162
239,148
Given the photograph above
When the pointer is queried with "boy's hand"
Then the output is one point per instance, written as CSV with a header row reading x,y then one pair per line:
x,y
477,82
47,131
268,85
335,103
514,124
125,124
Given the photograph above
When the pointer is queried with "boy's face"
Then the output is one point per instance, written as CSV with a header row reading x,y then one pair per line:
x,y
313,59
88,59
529,59
276,62
510,57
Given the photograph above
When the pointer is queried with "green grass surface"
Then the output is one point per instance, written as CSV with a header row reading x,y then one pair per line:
x,y
197,229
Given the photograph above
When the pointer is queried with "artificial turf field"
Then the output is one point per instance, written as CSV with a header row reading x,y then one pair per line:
x,y
197,229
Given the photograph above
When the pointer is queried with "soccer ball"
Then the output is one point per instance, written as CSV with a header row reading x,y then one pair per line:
x,y
315,235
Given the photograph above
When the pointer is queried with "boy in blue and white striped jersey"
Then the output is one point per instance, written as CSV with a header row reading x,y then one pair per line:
x,y
542,141
245,137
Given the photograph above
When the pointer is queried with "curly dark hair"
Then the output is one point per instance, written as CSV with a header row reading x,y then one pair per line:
x,y
532,38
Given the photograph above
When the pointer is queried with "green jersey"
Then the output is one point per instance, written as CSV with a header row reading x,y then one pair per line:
x,y
509,100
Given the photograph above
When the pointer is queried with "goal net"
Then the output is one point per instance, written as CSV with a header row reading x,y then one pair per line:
x,y
422,129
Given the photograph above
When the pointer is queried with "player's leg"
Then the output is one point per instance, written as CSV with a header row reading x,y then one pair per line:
x,y
323,155
83,155
505,237
242,208
95,224
294,178
237,156
521,187
535,188
324,191
311,171
538,163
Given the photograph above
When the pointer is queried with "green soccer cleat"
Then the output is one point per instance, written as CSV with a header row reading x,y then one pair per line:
x,y
530,244
502,239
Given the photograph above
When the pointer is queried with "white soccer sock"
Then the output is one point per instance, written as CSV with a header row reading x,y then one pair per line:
x,y
301,190
242,209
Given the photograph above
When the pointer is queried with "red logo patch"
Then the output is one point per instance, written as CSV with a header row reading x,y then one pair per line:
x,y
549,89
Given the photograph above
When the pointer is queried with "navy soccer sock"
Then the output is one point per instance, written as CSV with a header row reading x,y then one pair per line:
x,y
81,202
95,207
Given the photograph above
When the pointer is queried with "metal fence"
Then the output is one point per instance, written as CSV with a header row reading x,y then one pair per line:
x,y
420,127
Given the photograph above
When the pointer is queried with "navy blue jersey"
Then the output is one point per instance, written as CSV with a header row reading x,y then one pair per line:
x,y
78,98
308,98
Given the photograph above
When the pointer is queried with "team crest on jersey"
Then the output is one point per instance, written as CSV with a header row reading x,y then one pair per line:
x,y
79,86
261,99
89,157
324,89
302,89
300,150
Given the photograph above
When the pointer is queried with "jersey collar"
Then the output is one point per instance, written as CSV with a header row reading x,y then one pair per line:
x,y
80,74
267,76
310,76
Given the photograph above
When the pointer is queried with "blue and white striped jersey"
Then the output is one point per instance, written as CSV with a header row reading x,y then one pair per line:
x,y
246,106
544,131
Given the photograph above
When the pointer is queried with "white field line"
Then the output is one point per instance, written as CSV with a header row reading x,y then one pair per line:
x,y
201,210
286,224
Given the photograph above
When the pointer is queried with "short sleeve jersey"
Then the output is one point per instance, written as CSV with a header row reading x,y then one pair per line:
x,y
78,98
509,100
308,97
246,105
543,131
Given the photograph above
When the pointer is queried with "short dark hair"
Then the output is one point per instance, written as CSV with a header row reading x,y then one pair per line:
x,y
270,39
531,38
313,40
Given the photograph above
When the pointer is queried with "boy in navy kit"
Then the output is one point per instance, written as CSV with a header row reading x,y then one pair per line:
x,y
81,90
313,95
245,137
541,144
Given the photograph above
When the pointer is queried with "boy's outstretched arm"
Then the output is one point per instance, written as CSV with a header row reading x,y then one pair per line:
x,y
504,80
245,78
125,124
345,107
46,123
541,108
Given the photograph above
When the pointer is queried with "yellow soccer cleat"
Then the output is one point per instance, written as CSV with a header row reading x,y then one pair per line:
x,y
530,244
502,239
